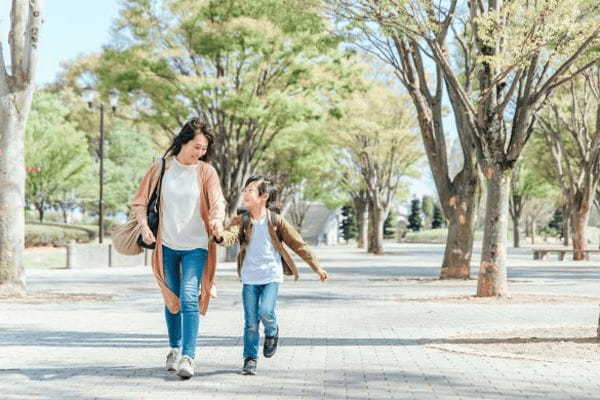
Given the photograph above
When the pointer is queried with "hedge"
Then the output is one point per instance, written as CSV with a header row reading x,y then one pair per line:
x,y
51,234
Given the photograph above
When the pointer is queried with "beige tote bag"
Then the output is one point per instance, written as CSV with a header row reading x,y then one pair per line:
x,y
124,237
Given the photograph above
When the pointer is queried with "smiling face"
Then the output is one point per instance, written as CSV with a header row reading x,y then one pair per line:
x,y
193,150
251,197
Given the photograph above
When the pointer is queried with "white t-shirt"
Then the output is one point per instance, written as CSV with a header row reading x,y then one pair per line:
x,y
262,263
182,225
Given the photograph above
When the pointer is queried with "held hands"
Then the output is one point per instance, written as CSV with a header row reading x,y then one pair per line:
x,y
147,235
217,229
323,276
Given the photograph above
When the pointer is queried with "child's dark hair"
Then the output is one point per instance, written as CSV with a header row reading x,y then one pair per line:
x,y
266,185
189,130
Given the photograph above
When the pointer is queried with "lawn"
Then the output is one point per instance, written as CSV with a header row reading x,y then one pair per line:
x,y
45,257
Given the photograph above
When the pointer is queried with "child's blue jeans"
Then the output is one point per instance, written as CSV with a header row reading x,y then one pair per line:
x,y
260,303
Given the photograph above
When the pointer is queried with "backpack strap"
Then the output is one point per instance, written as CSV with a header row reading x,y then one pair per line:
x,y
245,224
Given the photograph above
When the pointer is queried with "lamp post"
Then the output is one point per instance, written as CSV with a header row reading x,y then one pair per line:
x,y
89,94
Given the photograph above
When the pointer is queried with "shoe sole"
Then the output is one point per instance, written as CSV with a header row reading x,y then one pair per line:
x,y
248,373
184,374
171,369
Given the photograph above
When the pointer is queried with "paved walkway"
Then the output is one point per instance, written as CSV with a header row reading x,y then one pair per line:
x,y
351,338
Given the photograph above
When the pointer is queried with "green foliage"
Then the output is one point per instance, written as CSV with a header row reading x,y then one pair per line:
x,y
557,221
252,69
389,225
428,204
348,224
414,219
57,234
437,219
56,153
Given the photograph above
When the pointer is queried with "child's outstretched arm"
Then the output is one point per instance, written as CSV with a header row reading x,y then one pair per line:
x,y
231,233
294,240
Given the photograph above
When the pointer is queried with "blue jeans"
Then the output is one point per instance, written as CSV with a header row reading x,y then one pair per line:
x,y
259,305
183,271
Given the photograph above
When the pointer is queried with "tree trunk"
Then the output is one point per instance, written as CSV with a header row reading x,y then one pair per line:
x,y
566,232
492,270
360,208
579,223
13,114
65,215
532,230
516,237
459,242
40,209
377,218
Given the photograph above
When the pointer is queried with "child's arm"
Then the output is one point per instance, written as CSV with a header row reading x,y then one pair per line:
x,y
231,233
294,240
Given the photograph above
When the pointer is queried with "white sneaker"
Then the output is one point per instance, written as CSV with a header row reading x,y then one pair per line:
x,y
172,359
185,369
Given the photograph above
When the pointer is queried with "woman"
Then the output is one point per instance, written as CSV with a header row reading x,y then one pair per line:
x,y
192,209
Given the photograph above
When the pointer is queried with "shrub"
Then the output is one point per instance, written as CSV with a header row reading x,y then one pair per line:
x,y
49,234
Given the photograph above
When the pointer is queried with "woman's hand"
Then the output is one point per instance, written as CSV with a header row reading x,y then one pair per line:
x,y
217,229
322,274
147,235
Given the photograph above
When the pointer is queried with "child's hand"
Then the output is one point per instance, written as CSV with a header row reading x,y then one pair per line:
x,y
217,229
322,274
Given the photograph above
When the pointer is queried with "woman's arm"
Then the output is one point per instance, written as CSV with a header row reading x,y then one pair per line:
x,y
231,233
216,200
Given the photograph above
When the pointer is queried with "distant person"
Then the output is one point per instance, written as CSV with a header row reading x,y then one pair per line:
x,y
192,209
262,262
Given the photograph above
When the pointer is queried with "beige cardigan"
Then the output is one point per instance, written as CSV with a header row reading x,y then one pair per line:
x,y
212,209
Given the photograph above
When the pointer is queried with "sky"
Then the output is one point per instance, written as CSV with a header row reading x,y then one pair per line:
x,y
75,27
70,28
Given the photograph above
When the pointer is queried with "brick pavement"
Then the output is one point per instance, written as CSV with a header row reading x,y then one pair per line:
x,y
351,338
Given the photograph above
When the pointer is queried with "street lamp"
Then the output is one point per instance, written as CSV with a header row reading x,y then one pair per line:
x,y
89,94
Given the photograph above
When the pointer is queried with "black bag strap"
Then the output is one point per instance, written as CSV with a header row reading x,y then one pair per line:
x,y
157,188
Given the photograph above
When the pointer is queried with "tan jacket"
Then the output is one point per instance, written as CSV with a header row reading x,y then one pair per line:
x,y
280,227
212,208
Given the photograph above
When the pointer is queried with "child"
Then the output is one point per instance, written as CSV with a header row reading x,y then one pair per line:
x,y
262,262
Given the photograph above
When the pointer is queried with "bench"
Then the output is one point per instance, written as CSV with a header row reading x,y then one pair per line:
x,y
540,254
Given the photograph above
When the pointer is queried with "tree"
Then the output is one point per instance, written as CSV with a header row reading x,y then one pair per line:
x,y
571,125
389,225
438,219
251,69
376,136
414,219
459,192
56,154
517,54
16,91
427,205
348,223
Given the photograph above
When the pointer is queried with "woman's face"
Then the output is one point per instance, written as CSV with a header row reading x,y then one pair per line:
x,y
251,198
194,149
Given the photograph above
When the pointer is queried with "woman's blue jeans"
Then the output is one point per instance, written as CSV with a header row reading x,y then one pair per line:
x,y
183,271
259,305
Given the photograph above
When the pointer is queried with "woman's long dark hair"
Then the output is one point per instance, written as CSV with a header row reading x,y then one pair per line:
x,y
266,185
188,132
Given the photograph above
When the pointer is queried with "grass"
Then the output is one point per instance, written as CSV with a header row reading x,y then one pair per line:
x,y
45,258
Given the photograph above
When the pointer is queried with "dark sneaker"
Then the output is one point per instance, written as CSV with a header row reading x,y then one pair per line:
x,y
249,366
270,346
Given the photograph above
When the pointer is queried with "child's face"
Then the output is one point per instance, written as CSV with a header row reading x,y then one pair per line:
x,y
251,198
